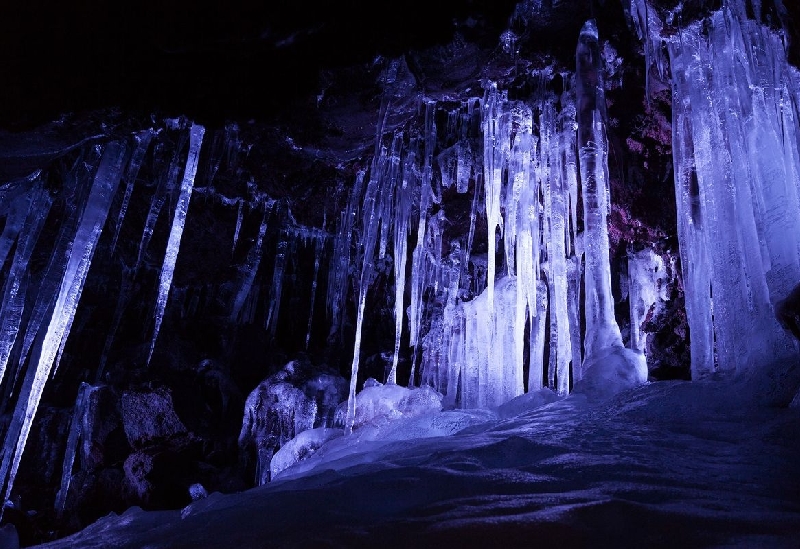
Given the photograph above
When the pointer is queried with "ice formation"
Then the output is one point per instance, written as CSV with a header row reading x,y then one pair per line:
x,y
176,230
84,243
736,158
486,328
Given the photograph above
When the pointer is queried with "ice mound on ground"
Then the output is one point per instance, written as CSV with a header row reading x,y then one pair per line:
x,y
611,370
526,402
301,447
378,404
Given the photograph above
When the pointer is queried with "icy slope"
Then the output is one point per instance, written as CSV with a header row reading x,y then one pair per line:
x,y
663,465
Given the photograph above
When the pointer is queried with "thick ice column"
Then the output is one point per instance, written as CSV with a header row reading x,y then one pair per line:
x,y
176,230
552,171
736,166
83,247
601,328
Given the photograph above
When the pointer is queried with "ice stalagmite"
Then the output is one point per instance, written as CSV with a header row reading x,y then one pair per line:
x,y
84,244
608,366
176,231
601,327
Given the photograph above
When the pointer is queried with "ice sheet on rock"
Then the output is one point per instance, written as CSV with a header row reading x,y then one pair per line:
x,y
610,371
85,240
647,286
274,413
529,401
328,391
176,231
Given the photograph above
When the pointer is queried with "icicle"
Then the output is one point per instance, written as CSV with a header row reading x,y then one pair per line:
x,y
239,210
14,292
75,433
176,231
85,242
271,322
142,143
338,275
419,256
123,298
319,244
247,271
165,186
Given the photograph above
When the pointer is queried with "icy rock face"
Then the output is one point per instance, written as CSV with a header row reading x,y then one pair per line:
x,y
275,412
327,390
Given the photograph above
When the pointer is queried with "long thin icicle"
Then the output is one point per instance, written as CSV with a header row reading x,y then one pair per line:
x,y
176,231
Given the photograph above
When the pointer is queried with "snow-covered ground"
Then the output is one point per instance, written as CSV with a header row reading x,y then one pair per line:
x,y
667,464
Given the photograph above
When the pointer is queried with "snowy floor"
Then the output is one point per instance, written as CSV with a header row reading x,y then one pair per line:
x,y
669,464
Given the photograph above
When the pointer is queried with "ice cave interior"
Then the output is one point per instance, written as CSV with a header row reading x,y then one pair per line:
x,y
493,274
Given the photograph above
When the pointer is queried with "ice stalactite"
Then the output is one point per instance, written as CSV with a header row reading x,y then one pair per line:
x,y
319,248
737,164
167,179
419,260
51,280
247,271
37,206
376,217
76,431
276,290
402,210
239,215
83,247
143,139
339,271
176,231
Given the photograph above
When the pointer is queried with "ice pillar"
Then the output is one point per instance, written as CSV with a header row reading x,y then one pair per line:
x,y
602,330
